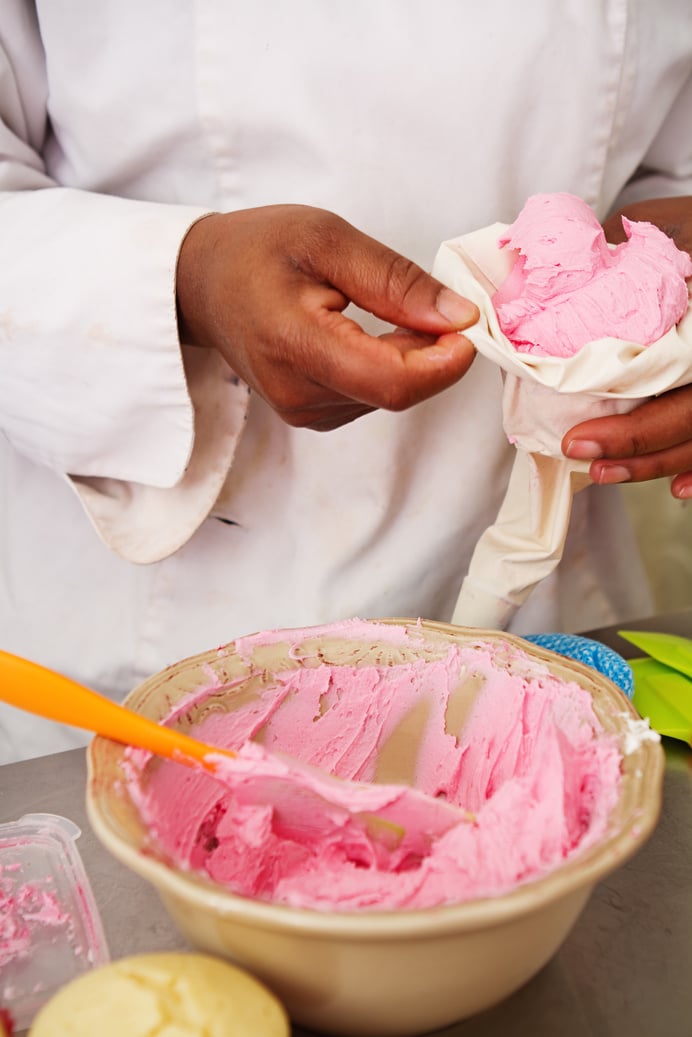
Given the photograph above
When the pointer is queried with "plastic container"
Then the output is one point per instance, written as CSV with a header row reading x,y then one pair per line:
x,y
50,927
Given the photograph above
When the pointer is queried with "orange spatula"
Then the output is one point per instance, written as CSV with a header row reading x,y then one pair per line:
x,y
396,821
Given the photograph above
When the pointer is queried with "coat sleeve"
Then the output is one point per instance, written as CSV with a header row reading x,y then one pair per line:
x,y
94,383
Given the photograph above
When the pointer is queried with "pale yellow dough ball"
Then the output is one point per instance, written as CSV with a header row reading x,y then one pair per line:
x,y
171,995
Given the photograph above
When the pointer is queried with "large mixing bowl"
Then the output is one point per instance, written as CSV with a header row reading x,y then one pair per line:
x,y
397,972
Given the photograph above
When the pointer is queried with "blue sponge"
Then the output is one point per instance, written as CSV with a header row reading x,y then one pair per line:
x,y
591,653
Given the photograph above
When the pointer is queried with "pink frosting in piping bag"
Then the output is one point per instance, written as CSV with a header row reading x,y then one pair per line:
x,y
568,287
580,331
525,755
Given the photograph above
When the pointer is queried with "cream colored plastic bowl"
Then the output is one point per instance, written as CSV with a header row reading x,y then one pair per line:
x,y
378,973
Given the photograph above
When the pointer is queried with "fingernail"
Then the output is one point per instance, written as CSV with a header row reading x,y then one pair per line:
x,y
612,473
458,311
583,450
683,492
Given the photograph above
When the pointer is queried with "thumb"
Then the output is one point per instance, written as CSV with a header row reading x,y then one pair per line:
x,y
394,288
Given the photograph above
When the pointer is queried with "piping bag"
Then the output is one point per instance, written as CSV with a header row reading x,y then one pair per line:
x,y
543,397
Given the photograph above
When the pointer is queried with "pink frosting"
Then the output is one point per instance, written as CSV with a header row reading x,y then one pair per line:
x,y
523,758
25,908
567,287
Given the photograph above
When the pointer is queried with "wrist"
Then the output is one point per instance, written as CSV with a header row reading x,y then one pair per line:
x,y
190,278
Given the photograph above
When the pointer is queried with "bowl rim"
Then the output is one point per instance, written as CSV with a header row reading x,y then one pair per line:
x,y
580,872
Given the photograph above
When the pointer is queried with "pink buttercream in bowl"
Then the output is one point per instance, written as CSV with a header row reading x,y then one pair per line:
x,y
519,750
556,778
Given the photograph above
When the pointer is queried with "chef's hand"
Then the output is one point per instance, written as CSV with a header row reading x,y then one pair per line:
x,y
655,439
267,287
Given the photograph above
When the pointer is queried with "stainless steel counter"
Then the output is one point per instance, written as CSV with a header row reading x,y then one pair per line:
x,y
626,968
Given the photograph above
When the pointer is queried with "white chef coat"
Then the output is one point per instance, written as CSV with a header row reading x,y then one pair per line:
x,y
151,507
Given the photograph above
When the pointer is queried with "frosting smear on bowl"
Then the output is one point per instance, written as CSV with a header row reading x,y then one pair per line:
x,y
483,726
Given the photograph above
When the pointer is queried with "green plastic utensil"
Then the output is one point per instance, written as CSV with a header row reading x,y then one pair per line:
x,y
669,649
663,682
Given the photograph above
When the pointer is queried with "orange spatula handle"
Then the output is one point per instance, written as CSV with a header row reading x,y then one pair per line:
x,y
34,688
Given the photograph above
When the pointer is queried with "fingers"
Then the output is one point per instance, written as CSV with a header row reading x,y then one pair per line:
x,y
672,215
681,486
326,416
652,441
267,288
348,372
382,281
393,372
